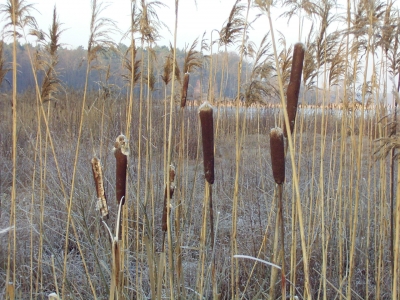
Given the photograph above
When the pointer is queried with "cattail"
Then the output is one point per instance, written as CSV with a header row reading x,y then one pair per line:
x,y
171,193
277,154
207,134
293,89
184,89
98,180
121,152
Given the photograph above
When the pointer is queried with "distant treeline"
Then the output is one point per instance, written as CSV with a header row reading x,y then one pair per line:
x,y
109,70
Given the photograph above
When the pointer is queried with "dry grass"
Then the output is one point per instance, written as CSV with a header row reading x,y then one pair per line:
x,y
163,240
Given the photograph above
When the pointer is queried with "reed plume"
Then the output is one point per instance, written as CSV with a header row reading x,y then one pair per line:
x,y
234,26
51,83
192,61
293,89
167,69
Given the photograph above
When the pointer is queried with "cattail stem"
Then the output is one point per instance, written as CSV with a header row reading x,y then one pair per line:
x,y
293,89
282,227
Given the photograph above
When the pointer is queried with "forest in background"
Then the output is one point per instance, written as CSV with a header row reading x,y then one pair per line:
x,y
110,71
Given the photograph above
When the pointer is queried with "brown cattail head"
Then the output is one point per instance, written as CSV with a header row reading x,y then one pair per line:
x,y
207,135
98,180
184,89
277,154
293,89
171,193
121,152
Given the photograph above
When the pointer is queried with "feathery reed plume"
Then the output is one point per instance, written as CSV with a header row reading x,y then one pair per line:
x,y
50,82
234,26
171,190
192,61
167,70
277,155
149,23
121,152
132,68
98,180
207,135
293,89
100,30
285,60
258,88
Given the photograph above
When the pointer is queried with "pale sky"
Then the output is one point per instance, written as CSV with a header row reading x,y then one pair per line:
x,y
193,20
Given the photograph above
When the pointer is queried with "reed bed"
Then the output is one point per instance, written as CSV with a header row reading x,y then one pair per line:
x,y
210,202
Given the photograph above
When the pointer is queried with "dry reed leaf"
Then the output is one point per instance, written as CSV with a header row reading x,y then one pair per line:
x,y
277,154
5,230
207,135
121,152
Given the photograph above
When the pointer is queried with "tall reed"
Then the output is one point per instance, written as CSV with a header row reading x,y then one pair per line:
x,y
17,15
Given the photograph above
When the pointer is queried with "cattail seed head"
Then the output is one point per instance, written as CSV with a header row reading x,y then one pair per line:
x,y
185,86
277,154
121,152
207,135
98,180
293,89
